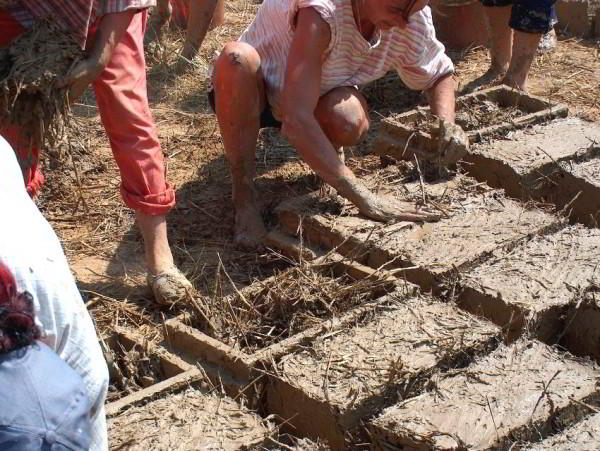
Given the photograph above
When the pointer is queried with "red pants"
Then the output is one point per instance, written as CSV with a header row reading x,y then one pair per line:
x,y
122,100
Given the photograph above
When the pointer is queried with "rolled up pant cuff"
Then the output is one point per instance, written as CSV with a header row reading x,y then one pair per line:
x,y
150,204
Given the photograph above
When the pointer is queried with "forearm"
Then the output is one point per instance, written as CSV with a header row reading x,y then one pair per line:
x,y
110,32
441,98
304,132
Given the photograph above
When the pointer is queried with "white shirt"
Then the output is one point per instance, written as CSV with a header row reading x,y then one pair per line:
x,y
414,52
31,250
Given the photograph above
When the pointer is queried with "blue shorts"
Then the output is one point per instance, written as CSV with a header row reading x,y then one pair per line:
x,y
529,16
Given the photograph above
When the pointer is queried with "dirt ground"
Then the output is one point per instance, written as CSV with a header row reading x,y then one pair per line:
x,y
82,202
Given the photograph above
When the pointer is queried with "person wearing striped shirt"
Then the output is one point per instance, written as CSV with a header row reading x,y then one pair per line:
x,y
297,66
112,32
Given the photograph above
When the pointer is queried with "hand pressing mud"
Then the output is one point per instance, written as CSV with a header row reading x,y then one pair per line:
x,y
381,208
450,142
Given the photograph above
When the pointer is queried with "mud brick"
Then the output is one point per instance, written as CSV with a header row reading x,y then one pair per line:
x,y
239,364
582,330
478,221
491,112
583,436
328,386
579,188
192,419
574,16
533,286
553,162
518,392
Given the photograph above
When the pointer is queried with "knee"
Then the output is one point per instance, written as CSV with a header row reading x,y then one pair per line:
x,y
346,122
237,58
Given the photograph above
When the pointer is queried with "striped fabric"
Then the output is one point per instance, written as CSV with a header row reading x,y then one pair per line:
x,y
414,52
76,16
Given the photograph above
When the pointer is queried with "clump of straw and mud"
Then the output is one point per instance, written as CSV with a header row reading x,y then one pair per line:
x,y
29,70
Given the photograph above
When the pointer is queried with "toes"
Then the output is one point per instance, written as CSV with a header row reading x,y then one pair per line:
x,y
169,287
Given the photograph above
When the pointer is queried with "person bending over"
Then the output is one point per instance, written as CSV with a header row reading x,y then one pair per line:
x,y
297,67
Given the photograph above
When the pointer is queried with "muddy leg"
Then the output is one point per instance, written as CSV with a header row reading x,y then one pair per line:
x,y
240,98
500,38
500,34
523,52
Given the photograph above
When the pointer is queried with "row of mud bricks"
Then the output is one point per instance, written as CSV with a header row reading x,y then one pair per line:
x,y
485,337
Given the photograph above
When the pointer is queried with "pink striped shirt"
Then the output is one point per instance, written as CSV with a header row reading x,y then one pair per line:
x,y
414,52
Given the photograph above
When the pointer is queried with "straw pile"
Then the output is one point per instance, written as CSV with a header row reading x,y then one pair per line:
x,y
281,306
29,69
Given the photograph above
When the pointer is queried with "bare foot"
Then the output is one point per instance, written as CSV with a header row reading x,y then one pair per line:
x,y
249,229
510,80
169,286
382,208
492,75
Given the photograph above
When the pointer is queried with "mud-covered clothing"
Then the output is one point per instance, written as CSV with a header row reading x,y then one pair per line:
x,y
350,60
529,16
75,16
30,249
122,99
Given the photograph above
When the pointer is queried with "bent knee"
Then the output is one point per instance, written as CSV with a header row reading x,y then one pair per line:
x,y
346,122
237,56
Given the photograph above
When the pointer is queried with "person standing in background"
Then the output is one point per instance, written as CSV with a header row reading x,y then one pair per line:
x,y
196,16
516,28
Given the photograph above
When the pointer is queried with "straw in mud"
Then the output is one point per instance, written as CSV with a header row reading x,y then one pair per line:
x,y
29,69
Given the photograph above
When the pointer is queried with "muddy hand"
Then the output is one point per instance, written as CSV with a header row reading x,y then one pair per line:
x,y
80,77
382,208
450,142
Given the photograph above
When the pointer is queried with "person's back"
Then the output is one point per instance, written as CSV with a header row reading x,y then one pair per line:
x,y
45,404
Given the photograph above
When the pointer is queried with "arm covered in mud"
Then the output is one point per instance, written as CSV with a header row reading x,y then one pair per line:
x,y
450,142
110,31
301,94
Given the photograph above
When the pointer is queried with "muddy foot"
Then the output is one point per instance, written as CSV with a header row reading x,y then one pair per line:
x,y
492,75
249,229
169,287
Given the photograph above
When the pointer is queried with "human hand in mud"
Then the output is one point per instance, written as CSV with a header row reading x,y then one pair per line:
x,y
382,208
450,142
80,77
